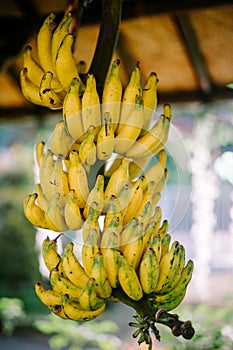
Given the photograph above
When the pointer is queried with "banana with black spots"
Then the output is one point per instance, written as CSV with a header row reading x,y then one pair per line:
x,y
89,250
128,279
49,253
48,297
72,268
88,298
98,272
74,311
105,138
63,285
87,149
149,270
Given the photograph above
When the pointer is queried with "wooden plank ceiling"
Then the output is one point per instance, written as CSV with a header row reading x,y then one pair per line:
x,y
188,44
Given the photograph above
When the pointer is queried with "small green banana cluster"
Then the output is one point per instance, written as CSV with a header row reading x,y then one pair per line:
x,y
97,174
149,272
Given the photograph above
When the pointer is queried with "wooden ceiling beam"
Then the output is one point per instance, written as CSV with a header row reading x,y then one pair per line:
x,y
191,44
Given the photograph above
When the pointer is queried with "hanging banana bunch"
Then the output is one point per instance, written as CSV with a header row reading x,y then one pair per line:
x,y
96,177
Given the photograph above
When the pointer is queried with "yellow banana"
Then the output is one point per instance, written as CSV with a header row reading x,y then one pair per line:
x,y
163,229
153,140
65,64
73,310
91,114
128,232
96,195
44,39
49,253
62,285
137,167
33,212
167,267
145,215
60,32
72,268
152,229
111,256
132,90
135,200
61,141
156,245
60,181
180,266
118,179
173,298
105,138
41,200
98,272
29,90
48,96
114,228
54,214
87,149
58,310
147,195
133,250
112,92
88,298
112,211
160,185
45,174
149,96
92,220
165,243
149,270
72,113
89,250
156,171
128,279
48,297
169,303
39,152
77,178
112,165
73,216
34,71
130,130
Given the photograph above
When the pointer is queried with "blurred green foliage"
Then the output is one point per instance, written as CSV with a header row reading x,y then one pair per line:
x,y
11,315
19,266
95,334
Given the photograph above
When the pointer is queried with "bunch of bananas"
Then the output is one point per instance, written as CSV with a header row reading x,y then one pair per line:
x,y
102,172
46,82
149,272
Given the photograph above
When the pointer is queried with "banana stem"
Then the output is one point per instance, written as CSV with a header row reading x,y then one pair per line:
x,y
107,41
141,306
150,316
